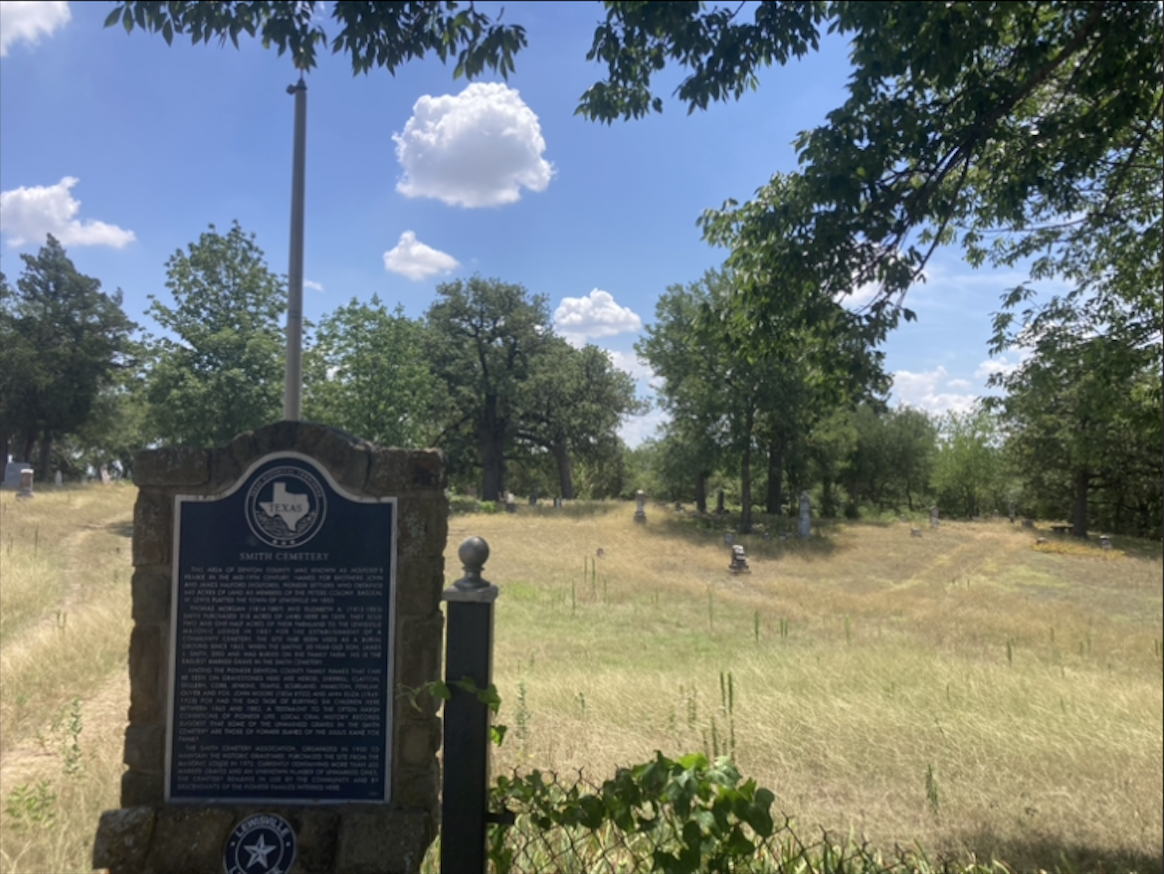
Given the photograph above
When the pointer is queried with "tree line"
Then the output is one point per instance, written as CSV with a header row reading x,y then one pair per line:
x,y
514,406
482,374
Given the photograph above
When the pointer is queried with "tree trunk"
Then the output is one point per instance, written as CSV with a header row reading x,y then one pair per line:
x,y
565,474
26,449
46,457
701,491
5,438
775,497
1079,510
491,445
746,490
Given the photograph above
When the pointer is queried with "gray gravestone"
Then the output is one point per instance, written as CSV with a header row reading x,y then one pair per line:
x,y
286,587
719,507
729,538
1104,542
25,483
510,503
58,479
739,563
934,520
804,523
12,474
641,507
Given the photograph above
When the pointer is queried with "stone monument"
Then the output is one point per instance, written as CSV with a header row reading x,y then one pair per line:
x,y
934,519
804,524
1010,512
286,597
641,507
739,563
25,483
719,507
58,480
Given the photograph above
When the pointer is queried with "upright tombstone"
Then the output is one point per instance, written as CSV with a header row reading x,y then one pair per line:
x,y
739,563
641,507
533,497
934,520
1010,511
510,502
719,507
286,596
25,483
12,474
58,480
804,523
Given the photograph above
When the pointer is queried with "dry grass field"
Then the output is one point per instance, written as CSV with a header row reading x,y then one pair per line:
x,y
966,691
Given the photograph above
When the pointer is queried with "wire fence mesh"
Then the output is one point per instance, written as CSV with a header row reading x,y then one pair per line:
x,y
531,841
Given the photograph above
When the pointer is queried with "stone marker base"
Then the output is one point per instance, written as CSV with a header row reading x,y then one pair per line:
x,y
334,839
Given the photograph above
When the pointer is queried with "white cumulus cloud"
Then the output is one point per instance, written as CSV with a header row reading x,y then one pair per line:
x,y
991,366
632,364
596,315
924,391
28,214
636,429
476,148
28,21
415,260
313,285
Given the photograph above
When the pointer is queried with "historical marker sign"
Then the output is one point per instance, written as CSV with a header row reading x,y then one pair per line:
x,y
281,655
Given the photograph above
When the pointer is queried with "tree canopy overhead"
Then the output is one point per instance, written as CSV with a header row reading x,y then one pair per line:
x,y
1019,130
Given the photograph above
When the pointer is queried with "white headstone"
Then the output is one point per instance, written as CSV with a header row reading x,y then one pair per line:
x,y
934,516
58,479
804,524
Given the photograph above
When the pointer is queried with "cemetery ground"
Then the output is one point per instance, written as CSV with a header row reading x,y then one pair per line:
x,y
967,691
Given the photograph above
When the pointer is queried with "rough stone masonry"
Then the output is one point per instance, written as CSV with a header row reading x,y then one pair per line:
x,y
148,835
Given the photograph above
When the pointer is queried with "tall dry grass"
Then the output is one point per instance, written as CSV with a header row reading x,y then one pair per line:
x,y
964,690
64,626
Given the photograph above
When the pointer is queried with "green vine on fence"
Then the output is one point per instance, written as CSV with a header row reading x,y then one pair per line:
x,y
706,817
488,696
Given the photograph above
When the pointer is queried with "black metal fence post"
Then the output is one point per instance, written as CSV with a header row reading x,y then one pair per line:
x,y
468,654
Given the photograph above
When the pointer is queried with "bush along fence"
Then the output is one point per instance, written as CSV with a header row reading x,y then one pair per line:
x,y
672,816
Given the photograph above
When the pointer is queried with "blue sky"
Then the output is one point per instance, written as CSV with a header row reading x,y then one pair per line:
x,y
127,149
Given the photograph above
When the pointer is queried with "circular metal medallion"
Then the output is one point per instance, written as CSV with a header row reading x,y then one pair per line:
x,y
286,506
260,844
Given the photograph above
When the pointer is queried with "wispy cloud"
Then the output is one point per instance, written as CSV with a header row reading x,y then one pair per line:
x,y
29,21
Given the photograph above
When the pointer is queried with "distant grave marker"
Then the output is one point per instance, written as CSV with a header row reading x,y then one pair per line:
x,y
804,523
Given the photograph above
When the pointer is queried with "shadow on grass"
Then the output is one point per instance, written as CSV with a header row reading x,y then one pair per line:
x,y
124,529
1046,853
544,510
709,530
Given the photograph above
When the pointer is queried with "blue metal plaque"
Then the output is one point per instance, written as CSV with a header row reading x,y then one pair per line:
x,y
281,645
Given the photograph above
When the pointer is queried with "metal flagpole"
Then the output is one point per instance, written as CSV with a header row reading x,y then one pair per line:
x,y
293,379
